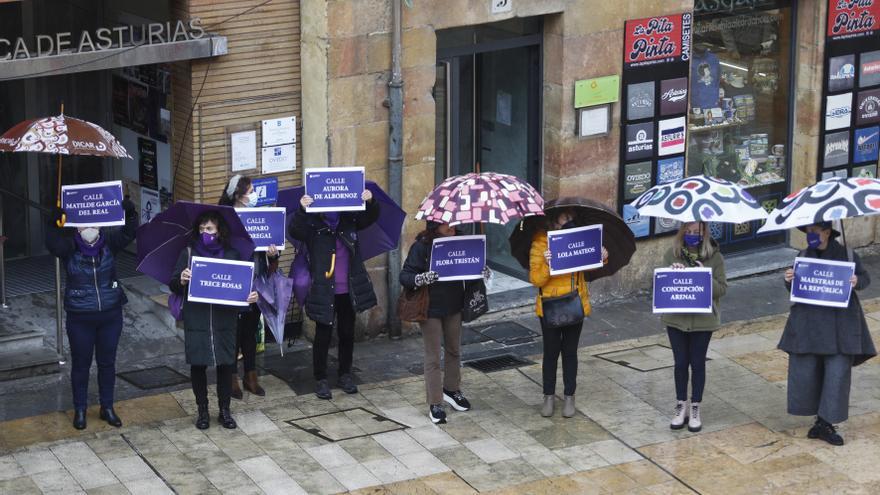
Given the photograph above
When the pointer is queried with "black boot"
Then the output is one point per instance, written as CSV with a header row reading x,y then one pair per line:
x,y
828,432
225,418
79,419
109,415
203,420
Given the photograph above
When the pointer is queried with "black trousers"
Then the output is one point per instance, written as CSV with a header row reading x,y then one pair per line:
x,y
689,351
246,338
345,332
199,379
563,340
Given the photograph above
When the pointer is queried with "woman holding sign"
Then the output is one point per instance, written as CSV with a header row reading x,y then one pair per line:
x,y
442,328
824,343
689,333
239,193
209,329
565,289
340,286
93,300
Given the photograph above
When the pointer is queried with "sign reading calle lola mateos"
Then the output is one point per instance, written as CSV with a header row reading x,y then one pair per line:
x,y
655,40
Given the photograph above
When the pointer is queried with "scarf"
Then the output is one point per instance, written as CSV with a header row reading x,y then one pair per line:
x,y
93,250
207,252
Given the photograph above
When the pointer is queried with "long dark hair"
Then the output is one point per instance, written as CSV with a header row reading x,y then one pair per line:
x,y
217,219
430,233
550,217
239,185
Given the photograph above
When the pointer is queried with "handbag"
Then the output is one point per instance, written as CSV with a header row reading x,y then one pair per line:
x,y
412,305
476,302
565,310
175,301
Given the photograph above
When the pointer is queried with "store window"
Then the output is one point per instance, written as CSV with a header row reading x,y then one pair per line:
x,y
740,102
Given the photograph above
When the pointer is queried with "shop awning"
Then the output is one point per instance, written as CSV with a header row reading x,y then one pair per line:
x,y
68,63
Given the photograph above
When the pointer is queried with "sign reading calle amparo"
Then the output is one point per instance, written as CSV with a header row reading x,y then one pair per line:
x,y
101,39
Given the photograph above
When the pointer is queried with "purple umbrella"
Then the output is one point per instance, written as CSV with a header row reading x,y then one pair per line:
x,y
376,239
274,291
160,241
299,272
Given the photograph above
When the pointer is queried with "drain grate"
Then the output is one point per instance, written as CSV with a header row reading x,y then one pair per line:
x,y
346,425
498,363
150,378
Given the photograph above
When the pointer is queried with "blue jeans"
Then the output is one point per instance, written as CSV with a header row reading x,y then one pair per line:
x,y
93,334
689,351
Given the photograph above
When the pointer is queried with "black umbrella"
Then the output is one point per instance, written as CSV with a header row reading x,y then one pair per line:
x,y
616,235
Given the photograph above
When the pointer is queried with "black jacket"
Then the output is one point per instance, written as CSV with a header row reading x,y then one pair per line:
x,y
320,240
444,298
822,330
91,281
209,329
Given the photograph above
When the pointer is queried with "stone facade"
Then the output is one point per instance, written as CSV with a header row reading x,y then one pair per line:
x,y
346,46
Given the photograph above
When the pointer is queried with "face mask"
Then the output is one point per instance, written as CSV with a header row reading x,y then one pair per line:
x,y
692,240
569,225
90,235
209,240
252,201
813,240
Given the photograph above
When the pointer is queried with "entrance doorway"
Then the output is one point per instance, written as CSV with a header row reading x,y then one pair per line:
x,y
488,97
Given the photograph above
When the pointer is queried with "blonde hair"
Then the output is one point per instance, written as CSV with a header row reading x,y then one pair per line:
x,y
707,246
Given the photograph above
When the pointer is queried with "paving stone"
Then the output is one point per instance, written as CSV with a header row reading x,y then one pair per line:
x,y
581,457
92,475
389,470
75,453
423,463
117,489
254,422
129,468
37,461
398,443
148,486
56,481
331,456
262,468
490,450
364,449
354,477
9,468
614,451
23,485
431,437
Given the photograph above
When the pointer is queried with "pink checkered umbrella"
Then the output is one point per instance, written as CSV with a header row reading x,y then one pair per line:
x,y
488,197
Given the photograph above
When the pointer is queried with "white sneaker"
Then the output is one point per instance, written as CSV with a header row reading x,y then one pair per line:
x,y
695,424
680,416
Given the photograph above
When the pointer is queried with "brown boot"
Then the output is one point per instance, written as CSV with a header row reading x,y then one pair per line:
x,y
252,385
236,388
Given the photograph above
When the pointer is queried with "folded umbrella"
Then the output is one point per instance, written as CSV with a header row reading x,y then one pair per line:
x,y
481,197
275,292
381,237
616,235
160,241
299,272
831,199
700,199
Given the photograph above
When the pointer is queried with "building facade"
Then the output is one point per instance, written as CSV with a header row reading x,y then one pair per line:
x,y
488,85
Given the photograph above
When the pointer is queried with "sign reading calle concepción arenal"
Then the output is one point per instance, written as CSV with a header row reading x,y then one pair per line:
x,y
100,39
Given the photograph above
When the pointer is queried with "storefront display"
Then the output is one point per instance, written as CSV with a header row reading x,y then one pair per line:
x,y
657,53
850,135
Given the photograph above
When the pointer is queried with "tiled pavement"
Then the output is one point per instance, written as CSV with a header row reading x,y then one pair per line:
x,y
380,440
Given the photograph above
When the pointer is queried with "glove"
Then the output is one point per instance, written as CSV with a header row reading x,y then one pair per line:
x,y
487,273
128,206
426,278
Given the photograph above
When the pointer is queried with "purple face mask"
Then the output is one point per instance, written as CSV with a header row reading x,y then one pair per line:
x,y
692,240
209,240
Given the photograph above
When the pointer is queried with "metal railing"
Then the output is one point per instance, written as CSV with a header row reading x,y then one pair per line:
x,y
59,336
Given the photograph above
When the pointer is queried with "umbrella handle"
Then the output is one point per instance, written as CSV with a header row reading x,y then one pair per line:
x,y
60,223
332,267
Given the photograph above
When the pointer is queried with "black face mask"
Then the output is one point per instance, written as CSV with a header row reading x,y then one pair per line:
x,y
569,225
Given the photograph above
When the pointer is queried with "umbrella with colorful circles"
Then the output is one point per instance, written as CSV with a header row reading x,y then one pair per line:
x,y
700,199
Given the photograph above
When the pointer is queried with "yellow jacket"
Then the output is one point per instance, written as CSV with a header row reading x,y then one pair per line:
x,y
557,285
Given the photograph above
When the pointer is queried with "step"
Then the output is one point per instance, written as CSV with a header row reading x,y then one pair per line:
x,y
758,262
28,363
18,341
155,298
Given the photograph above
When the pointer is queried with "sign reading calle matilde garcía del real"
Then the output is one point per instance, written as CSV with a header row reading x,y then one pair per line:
x,y
101,39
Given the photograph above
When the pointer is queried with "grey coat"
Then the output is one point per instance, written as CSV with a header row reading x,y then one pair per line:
x,y
825,331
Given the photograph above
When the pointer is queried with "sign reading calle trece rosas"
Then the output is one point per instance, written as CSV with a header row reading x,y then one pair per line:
x,y
100,39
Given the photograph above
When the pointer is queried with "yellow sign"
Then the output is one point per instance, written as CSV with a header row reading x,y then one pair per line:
x,y
597,91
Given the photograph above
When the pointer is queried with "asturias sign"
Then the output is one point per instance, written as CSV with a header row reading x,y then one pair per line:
x,y
655,40
852,18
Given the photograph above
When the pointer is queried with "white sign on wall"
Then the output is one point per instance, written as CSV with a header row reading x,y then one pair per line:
x,y
279,131
244,150
501,6
278,159
150,206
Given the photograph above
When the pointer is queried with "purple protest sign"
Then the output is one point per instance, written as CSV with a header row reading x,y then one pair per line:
x,y
265,226
335,189
822,282
219,281
460,257
93,205
683,291
574,250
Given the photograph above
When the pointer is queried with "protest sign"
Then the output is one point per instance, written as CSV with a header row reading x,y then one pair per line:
x,y
822,282
265,226
93,205
219,281
683,291
335,189
460,257
574,250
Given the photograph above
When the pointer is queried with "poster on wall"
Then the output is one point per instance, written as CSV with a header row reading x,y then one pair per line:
x,y
851,90
243,148
147,164
657,61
